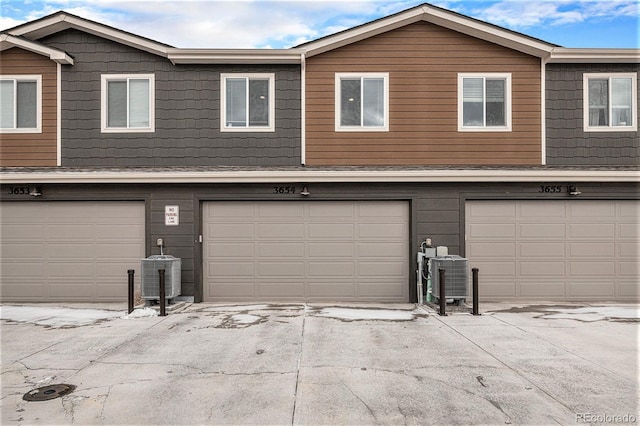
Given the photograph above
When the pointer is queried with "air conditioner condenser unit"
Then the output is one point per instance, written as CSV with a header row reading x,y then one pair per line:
x,y
456,277
151,277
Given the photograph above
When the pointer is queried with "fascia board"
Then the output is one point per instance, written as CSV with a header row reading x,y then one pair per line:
x,y
8,41
234,56
319,176
609,56
435,16
60,22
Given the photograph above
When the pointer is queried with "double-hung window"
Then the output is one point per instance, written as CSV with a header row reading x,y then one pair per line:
x,y
128,103
610,102
484,102
21,104
362,101
248,102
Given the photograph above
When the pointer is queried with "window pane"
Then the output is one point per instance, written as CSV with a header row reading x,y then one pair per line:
x,y
373,103
472,102
621,102
495,103
259,103
27,104
7,104
350,103
598,102
139,103
236,104
117,104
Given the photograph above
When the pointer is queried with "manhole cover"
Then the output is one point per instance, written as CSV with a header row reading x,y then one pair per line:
x,y
46,393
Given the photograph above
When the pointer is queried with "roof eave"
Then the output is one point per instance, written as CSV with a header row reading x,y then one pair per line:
x,y
435,16
235,56
581,55
319,176
63,21
8,41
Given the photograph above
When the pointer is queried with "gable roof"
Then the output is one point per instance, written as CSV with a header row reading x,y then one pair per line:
x,y
8,41
61,21
438,16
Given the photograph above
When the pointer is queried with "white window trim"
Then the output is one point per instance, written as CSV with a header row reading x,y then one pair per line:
x,y
103,101
508,105
272,103
634,103
338,106
38,80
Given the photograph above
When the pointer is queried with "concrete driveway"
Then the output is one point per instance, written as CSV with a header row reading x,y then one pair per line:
x,y
317,364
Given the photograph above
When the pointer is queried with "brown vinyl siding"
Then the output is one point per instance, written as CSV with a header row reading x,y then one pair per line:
x,y
32,149
423,62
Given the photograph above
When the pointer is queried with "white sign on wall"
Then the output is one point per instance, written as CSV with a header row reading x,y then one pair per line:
x,y
171,215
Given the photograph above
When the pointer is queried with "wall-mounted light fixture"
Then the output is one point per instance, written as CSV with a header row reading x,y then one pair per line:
x,y
573,190
35,192
305,191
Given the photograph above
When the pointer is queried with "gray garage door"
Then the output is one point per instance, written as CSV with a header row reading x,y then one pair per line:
x,y
322,251
555,250
69,251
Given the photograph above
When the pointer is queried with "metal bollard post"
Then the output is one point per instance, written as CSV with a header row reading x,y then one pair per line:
x,y
443,296
163,309
476,310
130,272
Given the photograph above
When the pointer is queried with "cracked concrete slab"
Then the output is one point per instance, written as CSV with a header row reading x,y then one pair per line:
x,y
289,364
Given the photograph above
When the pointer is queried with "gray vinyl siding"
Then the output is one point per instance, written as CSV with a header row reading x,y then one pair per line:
x,y
436,210
187,110
567,143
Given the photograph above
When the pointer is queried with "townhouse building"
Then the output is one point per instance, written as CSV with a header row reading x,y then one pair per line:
x,y
314,173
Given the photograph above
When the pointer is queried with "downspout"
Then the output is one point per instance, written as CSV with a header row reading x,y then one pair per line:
x,y
543,115
59,116
303,108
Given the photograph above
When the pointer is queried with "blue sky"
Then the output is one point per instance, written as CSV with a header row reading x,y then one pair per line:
x,y
282,24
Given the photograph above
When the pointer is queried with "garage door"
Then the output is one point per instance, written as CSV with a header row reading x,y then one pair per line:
x,y
69,251
555,250
314,251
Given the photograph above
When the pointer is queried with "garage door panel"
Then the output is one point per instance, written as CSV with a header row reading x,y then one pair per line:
x,y
592,230
331,289
70,290
330,249
498,211
280,290
592,290
380,290
339,269
587,210
17,231
331,210
230,230
235,289
308,250
591,254
542,269
629,231
21,270
22,251
383,231
344,231
13,289
592,268
542,231
70,232
279,269
591,249
376,250
629,289
282,249
493,231
538,250
280,230
544,290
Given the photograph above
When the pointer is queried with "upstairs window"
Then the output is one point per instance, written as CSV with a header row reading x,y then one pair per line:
x,y
20,104
484,102
248,102
362,102
610,102
128,103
